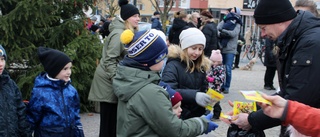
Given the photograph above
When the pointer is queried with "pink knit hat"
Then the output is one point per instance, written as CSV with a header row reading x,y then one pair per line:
x,y
216,55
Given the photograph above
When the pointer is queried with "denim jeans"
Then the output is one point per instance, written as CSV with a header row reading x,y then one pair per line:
x,y
228,61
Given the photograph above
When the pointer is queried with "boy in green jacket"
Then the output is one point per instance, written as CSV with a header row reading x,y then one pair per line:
x,y
144,108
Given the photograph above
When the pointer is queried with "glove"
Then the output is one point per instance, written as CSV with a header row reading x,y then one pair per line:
x,y
210,79
163,84
208,116
202,99
211,125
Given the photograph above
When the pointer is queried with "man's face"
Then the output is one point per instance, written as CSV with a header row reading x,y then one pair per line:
x,y
271,31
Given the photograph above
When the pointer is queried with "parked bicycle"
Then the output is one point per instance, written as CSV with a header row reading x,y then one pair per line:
x,y
256,48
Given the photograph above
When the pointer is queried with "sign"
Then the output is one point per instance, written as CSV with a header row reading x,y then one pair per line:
x,y
250,4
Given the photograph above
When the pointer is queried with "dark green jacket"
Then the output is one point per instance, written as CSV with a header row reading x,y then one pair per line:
x,y
113,51
144,108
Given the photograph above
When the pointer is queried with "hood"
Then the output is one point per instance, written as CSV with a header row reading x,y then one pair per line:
x,y
178,24
117,23
307,19
128,81
42,80
174,52
153,18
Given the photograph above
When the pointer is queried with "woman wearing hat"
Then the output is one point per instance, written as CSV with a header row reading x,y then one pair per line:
x,y
113,51
210,31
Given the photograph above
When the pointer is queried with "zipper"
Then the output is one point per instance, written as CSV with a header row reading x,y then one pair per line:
x,y
66,113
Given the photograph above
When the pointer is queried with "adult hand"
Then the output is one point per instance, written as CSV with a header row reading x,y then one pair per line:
x,y
203,99
241,120
277,108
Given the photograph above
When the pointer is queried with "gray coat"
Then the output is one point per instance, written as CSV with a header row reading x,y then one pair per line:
x,y
112,53
232,44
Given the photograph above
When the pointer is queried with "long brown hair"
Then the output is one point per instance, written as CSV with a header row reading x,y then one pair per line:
x,y
202,64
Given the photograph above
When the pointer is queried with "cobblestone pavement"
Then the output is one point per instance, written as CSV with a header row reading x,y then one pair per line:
x,y
241,80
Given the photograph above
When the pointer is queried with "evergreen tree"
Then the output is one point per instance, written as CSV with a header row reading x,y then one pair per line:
x,y
58,24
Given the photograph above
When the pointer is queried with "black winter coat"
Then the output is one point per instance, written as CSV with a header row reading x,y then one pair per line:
x,y
177,27
298,68
187,84
211,33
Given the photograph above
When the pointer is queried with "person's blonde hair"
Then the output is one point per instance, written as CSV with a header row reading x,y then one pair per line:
x,y
202,64
179,14
308,4
129,26
195,15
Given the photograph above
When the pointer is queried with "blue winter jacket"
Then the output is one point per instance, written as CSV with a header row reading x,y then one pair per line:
x,y
53,109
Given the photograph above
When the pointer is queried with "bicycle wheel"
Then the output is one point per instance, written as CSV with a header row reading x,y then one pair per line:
x,y
262,54
252,52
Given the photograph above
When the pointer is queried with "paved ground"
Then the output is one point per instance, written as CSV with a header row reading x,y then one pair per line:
x,y
241,80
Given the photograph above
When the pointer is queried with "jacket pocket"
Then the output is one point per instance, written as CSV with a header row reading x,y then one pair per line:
x,y
300,68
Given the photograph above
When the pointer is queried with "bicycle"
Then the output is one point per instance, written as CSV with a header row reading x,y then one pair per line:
x,y
257,46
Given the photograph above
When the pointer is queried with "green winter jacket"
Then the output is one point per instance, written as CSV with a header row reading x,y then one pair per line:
x,y
144,108
113,51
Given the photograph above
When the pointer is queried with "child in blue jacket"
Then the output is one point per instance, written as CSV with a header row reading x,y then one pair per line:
x,y
54,107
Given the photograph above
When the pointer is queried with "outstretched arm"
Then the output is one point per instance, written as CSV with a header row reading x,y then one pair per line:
x,y
290,111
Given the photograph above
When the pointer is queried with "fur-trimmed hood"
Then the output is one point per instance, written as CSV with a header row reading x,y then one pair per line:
x,y
174,52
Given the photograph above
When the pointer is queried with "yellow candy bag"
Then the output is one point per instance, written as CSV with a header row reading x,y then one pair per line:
x,y
243,107
215,96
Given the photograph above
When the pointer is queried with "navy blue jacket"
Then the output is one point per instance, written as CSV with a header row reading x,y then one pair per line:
x,y
156,24
13,120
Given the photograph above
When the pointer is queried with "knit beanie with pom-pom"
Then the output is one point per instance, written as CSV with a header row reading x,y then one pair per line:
x,y
147,47
216,55
127,10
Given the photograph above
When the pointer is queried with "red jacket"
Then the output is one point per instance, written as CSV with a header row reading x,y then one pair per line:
x,y
303,118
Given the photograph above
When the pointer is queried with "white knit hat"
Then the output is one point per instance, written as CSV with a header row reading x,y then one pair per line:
x,y
190,37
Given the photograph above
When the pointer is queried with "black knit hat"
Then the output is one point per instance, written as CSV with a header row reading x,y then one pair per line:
x,y
156,13
273,11
127,10
52,60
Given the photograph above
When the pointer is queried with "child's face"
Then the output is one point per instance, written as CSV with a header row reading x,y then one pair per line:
x,y
65,73
177,109
157,67
216,63
2,64
195,51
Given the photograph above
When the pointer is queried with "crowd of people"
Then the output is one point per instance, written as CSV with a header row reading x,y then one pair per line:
x,y
197,55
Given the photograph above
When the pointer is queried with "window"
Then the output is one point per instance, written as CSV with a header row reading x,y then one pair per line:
x,y
140,6
161,3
